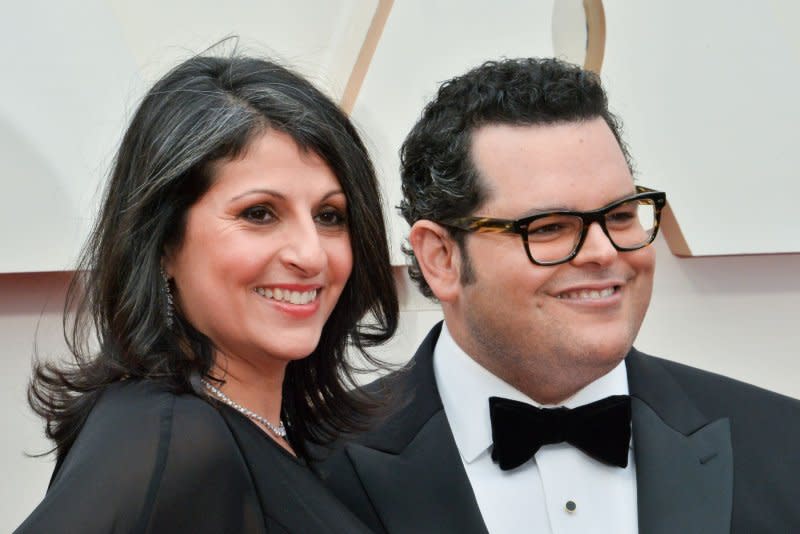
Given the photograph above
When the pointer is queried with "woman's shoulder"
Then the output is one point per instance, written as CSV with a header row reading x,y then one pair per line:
x,y
140,397
181,434
148,458
144,402
139,416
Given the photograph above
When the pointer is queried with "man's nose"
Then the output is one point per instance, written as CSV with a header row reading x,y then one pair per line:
x,y
596,248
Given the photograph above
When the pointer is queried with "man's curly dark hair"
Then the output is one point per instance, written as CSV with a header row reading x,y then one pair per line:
x,y
439,180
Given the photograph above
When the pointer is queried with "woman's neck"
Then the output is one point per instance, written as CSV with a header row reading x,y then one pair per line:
x,y
257,388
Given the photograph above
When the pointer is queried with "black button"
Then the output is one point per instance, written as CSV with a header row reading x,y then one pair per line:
x,y
571,506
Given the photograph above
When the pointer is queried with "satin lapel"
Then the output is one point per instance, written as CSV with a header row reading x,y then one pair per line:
x,y
410,467
423,485
684,462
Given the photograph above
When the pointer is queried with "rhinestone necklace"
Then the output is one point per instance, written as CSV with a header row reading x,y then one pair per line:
x,y
279,430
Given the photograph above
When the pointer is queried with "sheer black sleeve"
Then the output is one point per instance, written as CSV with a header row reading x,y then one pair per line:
x,y
150,461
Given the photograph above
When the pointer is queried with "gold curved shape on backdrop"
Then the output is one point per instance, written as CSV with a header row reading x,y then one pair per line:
x,y
364,58
595,50
595,35
595,46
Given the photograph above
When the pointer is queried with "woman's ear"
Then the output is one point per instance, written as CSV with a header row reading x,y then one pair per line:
x,y
439,258
167,264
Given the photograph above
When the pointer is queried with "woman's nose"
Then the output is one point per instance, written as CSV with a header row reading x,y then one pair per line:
x,y
303,250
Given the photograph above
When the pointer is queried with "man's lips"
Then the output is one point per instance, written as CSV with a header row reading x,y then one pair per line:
x,y
593,291
588,294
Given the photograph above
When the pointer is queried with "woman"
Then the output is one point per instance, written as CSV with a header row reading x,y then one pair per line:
x,y
239,244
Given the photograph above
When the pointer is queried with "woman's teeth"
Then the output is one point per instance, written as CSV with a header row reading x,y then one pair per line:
x,y
285,295
588,294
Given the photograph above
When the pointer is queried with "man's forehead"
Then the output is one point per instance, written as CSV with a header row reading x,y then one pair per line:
x,y
565,132
576,165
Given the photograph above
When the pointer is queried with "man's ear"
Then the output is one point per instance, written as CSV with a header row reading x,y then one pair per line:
x,y
439,258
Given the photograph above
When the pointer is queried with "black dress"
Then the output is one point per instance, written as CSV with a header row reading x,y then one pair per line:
x,y
147,460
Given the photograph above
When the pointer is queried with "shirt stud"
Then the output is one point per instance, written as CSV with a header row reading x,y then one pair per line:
x,y
570,506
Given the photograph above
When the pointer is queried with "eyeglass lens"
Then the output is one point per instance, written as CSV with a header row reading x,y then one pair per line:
x,y
630,226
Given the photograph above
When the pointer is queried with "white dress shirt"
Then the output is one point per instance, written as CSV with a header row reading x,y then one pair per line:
x,y
533,497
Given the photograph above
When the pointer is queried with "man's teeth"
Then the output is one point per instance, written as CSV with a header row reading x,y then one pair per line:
x,y
285,295
588,294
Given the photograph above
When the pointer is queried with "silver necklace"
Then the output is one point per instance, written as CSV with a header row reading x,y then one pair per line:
x,y
279,430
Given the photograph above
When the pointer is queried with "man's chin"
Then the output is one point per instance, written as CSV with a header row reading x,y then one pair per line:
x,y
607,354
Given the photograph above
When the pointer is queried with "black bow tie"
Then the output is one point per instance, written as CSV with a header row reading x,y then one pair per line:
x,y
601,429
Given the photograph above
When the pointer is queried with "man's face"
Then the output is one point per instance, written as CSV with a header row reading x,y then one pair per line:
x,y
569,323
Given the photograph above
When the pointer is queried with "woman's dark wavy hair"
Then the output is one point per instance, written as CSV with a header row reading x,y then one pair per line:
x,y
205,110
439,179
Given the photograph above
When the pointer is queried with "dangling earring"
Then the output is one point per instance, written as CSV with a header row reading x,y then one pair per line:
x,y
169,312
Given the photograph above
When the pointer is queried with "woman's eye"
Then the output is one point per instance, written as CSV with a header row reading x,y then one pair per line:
x,y
331,217
258,214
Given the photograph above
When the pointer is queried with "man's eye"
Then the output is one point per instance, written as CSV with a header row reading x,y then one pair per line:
x,y
551,228
554,227
258,214
331,217
620,217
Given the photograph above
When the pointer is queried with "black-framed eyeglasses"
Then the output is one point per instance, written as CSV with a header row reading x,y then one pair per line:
x,y
557,236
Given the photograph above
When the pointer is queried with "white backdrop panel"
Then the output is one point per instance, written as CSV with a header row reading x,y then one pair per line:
x,y
73,72
708,94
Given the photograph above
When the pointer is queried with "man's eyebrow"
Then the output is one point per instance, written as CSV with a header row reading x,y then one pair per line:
x,y
547,209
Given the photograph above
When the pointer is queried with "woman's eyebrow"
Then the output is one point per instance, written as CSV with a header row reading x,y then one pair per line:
x,y
281,196
332,193
270,192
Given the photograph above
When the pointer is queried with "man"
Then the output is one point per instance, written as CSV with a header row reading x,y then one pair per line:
x,y
527,227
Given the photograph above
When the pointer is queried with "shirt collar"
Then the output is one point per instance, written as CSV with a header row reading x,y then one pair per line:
x,y
465,387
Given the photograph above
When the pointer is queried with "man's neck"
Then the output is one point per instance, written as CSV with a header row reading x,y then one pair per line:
x,y
542,378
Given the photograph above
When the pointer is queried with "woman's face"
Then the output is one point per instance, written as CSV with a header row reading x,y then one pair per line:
x,y
265,255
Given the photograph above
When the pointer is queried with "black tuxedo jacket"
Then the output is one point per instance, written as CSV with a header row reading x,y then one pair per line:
x,y
713,455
